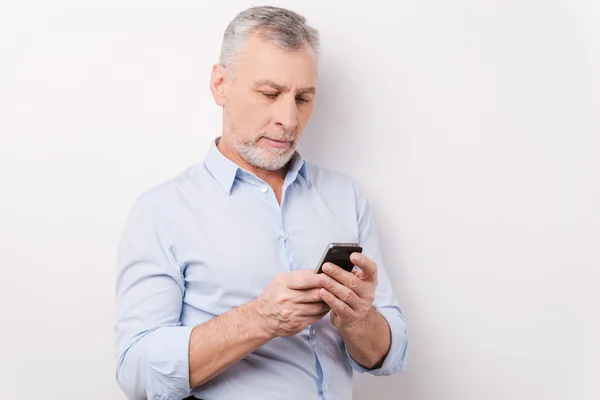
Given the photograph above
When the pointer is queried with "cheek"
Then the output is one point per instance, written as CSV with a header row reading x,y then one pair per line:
x,y
250,117
248,121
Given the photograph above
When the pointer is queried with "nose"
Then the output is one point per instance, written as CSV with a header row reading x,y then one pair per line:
x,y
286,113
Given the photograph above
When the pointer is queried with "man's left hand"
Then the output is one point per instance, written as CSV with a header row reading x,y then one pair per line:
x,y
349,294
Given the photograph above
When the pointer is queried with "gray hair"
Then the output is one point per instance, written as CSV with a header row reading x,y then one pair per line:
x,y
284,28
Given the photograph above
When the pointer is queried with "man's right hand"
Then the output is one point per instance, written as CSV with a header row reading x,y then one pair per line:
x,y
290,303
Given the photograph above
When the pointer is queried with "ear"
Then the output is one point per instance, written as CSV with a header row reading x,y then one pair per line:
x,y
218,77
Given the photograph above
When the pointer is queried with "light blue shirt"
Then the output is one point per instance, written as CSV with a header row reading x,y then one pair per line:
x,y
211,239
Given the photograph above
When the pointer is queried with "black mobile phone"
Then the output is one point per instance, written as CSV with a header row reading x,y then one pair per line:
x,y
339,254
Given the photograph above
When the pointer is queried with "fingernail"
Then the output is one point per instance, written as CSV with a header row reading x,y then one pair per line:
x,y
357,257
327,267
325,279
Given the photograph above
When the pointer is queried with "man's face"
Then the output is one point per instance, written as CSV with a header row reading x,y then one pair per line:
x,y
268,98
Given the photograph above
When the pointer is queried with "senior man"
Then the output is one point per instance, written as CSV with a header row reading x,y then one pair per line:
x,y
216,292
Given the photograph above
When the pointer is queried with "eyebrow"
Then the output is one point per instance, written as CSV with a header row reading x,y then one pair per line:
x,y
282,88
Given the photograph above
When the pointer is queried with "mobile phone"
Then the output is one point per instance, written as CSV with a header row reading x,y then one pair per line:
x,y
339,254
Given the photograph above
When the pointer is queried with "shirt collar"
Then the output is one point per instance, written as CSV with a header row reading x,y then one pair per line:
x,y
225,171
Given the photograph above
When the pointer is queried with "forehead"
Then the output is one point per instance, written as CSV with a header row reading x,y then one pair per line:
x,y
262,60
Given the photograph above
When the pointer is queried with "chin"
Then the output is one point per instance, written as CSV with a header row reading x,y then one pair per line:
x,y
272,161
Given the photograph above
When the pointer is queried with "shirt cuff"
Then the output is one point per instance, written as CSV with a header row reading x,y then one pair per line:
x,y
168,376
395,360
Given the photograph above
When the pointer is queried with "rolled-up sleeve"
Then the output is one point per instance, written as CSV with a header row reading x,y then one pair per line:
x,y
385,302
152,345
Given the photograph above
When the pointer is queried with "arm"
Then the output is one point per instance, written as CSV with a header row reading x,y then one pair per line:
x,y
167,362
365,308
152,344
223,341
158,358
367,334
289,304
359,341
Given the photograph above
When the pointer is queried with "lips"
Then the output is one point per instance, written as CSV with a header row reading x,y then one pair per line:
x,y
281,144
278,141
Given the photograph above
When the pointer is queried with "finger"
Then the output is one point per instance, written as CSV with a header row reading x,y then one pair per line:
x,y
358,273
338,306
341,291
310,309
307,295
367,266
348,279
302,279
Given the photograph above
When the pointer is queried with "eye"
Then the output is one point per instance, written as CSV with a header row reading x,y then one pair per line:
x,y
302,100
270,95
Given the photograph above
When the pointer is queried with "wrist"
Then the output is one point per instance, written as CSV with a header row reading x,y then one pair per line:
x,y
258,321
359,326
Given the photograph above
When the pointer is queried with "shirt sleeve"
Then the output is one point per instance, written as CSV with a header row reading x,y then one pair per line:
x,y
152,345
385,302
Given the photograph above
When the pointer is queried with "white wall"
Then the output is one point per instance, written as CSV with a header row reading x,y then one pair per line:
x,y
474,126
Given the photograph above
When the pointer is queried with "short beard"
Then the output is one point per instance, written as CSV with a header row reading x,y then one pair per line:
x,y
269,158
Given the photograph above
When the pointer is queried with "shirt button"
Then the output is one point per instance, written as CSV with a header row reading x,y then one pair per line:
x,y
326,386
285,235
264,189
313,332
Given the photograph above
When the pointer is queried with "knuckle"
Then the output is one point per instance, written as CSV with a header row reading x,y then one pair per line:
x,y
342,309
280,298
347,296
354,282
285,314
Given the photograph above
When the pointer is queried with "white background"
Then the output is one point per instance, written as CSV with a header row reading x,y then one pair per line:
x,y
473,125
